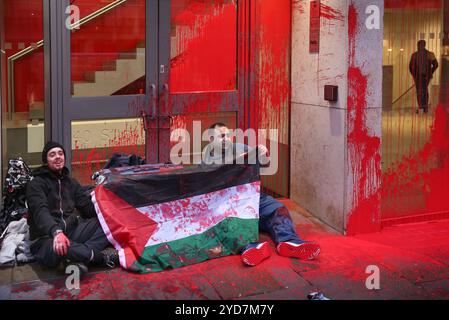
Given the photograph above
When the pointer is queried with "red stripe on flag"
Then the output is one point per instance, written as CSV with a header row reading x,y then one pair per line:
x,y
130,228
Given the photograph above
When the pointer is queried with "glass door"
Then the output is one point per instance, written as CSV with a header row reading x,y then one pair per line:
x,y
134,71
201,63
109,63
415,117
22,80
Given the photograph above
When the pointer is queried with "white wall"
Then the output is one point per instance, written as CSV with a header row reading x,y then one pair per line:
x,y
322,175
318,133
364,122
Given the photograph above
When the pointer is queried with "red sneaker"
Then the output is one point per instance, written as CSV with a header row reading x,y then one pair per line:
x,y
255,255
303,251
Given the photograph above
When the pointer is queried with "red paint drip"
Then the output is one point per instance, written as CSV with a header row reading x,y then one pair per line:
x,y
363,148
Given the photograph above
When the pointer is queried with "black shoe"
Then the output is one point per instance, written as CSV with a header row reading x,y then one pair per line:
x,y
110,258
82,267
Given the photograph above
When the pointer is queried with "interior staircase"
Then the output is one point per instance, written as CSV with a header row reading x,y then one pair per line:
x,y
114,76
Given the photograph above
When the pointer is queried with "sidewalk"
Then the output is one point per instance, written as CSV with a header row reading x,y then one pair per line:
x,y
413,261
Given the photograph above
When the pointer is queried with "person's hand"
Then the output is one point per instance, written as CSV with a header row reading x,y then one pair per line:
x,y
61,244
263,150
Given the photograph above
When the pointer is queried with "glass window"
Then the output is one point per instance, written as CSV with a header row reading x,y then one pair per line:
x,y
22,85
203,53
414,147
108,48
95,141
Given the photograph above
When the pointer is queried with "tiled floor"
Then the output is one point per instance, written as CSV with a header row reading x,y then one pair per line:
x,y
413,262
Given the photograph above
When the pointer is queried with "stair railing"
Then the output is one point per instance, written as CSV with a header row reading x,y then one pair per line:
x,y
400,97
37,45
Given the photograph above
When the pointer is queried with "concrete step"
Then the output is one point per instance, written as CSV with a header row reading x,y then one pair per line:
x,y
128,55
115,75
110,65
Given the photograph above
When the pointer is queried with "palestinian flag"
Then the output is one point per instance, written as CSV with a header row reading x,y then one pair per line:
x,y
165,216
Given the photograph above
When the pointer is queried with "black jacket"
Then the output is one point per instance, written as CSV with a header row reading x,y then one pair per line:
x,y
54,201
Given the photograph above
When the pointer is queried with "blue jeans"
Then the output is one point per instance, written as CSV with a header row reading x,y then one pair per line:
x,y
274,218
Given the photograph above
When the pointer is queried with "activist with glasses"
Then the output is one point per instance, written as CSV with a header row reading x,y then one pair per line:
x,y
274,217
64,227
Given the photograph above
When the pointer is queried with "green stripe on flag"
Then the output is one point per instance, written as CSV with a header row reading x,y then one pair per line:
x,y
223,239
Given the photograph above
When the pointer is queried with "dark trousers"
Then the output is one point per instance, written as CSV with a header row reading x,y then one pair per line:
x,y
422,91
85,237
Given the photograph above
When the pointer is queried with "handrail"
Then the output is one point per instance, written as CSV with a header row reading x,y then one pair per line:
x,y
40,43
402,95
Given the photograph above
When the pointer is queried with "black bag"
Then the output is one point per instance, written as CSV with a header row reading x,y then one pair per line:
x,y
124,160
14,192
119,160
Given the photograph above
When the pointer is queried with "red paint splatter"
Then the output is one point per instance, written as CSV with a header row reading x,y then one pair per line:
x,y
204,32
327,12
93,286
298,5
24,287
363,148
427,171
171,289
86,161
270,96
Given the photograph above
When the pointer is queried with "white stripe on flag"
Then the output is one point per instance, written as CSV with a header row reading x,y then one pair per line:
x,y
108,232
186,217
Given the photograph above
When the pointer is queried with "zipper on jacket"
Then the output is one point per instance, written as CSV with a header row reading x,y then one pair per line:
x,y
60,206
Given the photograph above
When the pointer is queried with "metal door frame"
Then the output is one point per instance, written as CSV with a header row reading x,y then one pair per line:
x,y
50,92
67,108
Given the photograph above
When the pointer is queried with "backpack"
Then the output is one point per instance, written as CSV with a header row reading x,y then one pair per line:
x,y
14,192
124,160
120,160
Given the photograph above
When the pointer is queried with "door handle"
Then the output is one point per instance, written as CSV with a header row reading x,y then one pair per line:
x,y
167,94
147,117
153,99
144,120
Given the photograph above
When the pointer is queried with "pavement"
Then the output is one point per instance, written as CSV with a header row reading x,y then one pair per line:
x,y
411,261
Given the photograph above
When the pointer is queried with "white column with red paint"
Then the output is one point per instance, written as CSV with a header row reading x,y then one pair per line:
x,y
335,166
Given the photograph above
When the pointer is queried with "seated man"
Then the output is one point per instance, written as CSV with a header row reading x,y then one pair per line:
x,y
274,217
57,233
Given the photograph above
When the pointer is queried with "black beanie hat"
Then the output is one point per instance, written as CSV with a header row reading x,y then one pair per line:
x,y
48,146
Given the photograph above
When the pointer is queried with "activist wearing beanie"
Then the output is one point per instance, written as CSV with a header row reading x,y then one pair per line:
x,y
48,146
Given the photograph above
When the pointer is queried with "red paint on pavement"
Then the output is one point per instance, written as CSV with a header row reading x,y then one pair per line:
x,y
92,286
405,254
